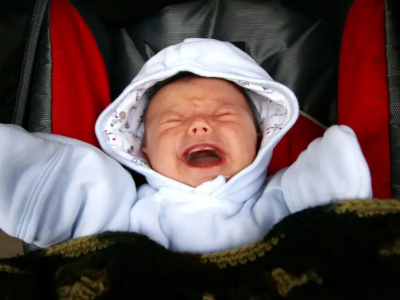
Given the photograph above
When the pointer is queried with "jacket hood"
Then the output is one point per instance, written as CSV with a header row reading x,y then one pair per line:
x,y
120,129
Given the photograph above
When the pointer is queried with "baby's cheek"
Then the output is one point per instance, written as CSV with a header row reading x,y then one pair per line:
x,y
168,139
159,139
165,146
248,143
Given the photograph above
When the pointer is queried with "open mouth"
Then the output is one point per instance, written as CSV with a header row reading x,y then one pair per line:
x,y
203,156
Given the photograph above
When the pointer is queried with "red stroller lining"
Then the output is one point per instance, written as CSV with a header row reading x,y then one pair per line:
x,y
79,78
363,88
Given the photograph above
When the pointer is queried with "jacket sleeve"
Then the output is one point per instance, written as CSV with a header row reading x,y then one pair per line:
x,y
53,188
333,168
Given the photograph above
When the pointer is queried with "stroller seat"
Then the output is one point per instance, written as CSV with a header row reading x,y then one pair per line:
x,y
339,57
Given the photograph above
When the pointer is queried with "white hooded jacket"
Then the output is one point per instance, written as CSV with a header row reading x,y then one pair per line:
x,y
54,188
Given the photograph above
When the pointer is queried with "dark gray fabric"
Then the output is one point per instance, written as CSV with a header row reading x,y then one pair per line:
x,y
120,12
127,63
15,17
27,64
335,10
105,19
393,68
40,101
298,50
102,33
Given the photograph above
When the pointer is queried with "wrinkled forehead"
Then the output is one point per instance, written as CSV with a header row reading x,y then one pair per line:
x,y
174,91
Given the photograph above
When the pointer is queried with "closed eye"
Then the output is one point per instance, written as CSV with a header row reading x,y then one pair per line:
x,y
224,114
173,119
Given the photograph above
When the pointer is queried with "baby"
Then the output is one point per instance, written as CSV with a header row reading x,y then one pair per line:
x,y
200,122
204,126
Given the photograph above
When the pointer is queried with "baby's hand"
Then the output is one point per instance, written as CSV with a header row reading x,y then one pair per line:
x,y
332,168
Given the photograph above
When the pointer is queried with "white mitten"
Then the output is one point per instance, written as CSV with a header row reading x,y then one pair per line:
x,y
332,168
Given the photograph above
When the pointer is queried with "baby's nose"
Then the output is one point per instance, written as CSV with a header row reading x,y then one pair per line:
x,y
199,126
199,129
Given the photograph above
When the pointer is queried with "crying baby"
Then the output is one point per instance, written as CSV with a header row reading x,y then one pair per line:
x,y
213,118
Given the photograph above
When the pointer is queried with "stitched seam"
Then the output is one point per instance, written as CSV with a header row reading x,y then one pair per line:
x,y
36,192
26,64
315,121
27,47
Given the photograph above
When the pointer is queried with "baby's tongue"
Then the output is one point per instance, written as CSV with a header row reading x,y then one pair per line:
x,y
204,158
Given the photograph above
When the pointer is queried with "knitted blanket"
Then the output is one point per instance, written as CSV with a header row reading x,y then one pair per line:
x,y
348,250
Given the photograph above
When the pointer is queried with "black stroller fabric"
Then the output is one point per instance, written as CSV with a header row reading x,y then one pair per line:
x,y
393,61
348,250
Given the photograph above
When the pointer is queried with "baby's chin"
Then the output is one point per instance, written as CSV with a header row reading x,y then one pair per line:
x,y
199,179
195,176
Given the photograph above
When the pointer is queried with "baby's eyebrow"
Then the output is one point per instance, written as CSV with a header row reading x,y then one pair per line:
x,y
227,103
170,113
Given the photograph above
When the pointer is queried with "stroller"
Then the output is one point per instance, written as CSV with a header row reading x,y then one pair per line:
x,y
65,61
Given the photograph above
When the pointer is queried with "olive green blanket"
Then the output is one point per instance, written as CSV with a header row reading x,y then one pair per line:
x,y
348,250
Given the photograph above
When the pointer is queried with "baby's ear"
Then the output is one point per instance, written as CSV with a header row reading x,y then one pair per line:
x,y
259,140
259,135
144,150
145,153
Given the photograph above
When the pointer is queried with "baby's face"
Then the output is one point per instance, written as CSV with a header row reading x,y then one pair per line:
x,y
198,128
